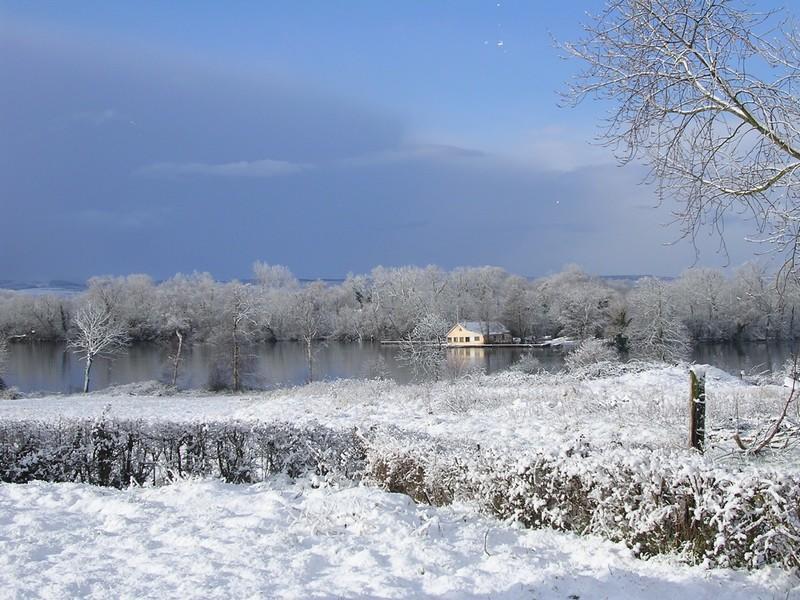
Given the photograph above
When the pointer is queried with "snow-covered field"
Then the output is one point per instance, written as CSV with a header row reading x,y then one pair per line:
x,y
278,539
505,410
290,539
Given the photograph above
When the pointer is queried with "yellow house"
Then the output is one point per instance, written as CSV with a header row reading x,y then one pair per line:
x,y
478,333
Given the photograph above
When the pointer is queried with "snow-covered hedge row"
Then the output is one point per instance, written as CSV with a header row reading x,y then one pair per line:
x,y
655,501
121,452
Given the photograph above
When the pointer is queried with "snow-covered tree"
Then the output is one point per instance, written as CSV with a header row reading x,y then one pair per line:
x,y
755,303
705,92
97,332
656,329
3,359
274,276
705,299
423,350
235,329
518,307
310,319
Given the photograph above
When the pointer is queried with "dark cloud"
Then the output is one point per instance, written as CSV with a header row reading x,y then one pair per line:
x,y
117,161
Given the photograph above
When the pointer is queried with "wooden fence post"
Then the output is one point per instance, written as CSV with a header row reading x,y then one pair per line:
x,y
697,408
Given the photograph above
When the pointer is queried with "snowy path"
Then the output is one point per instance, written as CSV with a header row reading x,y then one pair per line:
x,y
206,539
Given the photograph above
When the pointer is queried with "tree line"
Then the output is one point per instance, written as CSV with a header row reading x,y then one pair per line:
x,y
389,302
653,317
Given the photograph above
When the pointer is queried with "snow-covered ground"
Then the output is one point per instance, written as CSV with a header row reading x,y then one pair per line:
x,y
206,539
549,412
278,538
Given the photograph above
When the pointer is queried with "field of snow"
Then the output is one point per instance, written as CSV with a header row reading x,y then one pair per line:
x,y
506,410
281,539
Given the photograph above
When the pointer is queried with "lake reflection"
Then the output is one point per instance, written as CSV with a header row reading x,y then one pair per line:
x,y
49,367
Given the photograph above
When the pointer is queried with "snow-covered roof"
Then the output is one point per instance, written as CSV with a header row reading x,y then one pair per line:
x,y
484,327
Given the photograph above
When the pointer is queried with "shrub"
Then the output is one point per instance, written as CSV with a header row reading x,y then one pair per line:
x,y
591,357
528,364
118,452
654,501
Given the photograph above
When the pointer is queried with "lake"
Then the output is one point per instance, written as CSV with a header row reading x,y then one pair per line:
x,y
49,367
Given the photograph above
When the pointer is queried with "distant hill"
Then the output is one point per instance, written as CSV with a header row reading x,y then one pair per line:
x,y
64,287
55,286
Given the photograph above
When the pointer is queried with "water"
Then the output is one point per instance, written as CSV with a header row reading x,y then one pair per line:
x,y
750,357
49,367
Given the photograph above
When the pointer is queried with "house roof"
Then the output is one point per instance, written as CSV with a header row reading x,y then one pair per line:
x,y
484,327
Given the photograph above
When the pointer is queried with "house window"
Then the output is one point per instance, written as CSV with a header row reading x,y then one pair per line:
x,y
477,338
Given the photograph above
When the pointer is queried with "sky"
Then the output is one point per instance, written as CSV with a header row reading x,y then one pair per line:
x,y
330,137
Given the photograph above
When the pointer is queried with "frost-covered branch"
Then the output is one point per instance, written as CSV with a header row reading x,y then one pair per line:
x,y
97,333
704,92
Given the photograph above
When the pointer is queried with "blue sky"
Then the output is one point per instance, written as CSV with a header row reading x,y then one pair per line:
x,y
327,136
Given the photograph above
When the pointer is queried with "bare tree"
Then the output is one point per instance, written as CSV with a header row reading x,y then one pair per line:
x,y
310,319
180,325
423,350
97,333
175,319
703,91
237,326
656,330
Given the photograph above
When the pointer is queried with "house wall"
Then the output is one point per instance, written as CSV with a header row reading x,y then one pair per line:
x,y
458,335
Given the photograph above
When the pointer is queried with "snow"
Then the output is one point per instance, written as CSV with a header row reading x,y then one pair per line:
x,y
507,410
278,539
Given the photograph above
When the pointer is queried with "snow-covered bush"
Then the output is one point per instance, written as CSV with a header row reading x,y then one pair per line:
x,y
528,363
117,452
654,500
591,358
138,388
10,393
790,372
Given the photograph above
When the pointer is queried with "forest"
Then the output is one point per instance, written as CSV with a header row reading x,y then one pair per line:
x,y
648,316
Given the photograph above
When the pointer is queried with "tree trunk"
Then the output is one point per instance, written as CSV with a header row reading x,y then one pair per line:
x,y
310,357
235,365
177,360
86,373
235,356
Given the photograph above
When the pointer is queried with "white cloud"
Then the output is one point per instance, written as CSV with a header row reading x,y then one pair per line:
x,y
253,168
409,153
272,168
561,149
